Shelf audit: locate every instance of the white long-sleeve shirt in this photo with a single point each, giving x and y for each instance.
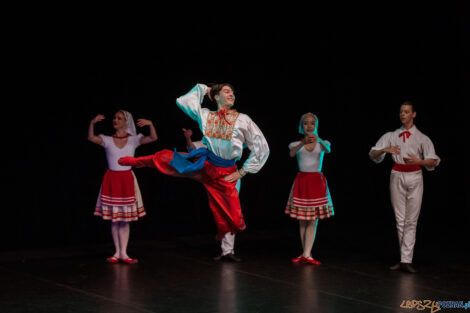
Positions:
(417, 144)
(223, 139)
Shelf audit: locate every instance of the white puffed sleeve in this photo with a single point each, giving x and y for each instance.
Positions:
(429, 153)
(190, 103)
(326, 146)
(383, 143)
(259, 149)
(294, 144)
(106, 140)
(134, 141)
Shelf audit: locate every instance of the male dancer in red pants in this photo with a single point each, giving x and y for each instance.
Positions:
(226, 132)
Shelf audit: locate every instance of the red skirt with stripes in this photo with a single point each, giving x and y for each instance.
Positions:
(309, 198)
(119, 199)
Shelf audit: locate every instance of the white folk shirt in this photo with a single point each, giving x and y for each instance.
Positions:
(113, 153)
(417, 144)
(226, 142)
(309, 161)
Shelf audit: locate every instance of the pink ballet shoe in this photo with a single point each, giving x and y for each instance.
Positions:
(112, 260)
(129, 261)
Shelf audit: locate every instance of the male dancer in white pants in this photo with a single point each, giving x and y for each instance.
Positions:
(410, 150)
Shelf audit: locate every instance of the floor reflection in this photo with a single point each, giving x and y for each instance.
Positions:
(228, 289)
(119, 285)
(307, 297)
(406, 297)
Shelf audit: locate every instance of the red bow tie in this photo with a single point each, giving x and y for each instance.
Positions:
(222, 114)
(406, 134)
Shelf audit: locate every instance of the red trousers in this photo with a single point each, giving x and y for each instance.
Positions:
(223, 196)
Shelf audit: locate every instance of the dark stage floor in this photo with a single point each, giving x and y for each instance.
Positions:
(178, 275)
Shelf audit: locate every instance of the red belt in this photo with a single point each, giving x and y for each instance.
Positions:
(406, 167)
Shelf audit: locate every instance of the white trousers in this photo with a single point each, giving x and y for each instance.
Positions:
(228, 243)
(406, 191)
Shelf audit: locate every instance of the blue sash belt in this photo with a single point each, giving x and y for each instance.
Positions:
(181, 163)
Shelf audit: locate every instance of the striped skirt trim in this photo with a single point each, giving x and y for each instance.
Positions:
(124, 211)
(309, 209)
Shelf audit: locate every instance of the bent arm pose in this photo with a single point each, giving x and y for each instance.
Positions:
(309, 199)
(119, 199)
(410, 150)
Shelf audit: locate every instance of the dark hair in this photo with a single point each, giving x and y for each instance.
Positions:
(410, 103)
(216, 88)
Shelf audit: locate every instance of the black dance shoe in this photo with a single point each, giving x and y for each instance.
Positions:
(228, 258)
(406, 267)
(395, 267)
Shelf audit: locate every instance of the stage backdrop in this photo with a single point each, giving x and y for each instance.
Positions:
(352, 70)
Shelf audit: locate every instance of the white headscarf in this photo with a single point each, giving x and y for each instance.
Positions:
(130, 126)
(304, 116)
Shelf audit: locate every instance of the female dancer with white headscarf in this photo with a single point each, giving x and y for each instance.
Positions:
(119, 199)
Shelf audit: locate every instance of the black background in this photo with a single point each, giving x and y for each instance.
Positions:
(351, 65)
